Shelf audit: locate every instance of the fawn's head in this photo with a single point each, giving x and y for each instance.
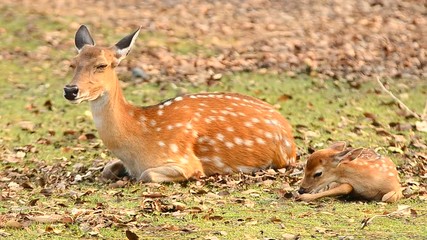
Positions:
(320, 170)
(94, 66)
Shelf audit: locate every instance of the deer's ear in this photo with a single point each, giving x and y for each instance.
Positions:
(347, 155)
(338, 146)
(82, 38)
(123, 46)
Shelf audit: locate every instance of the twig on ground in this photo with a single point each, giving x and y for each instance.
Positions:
(401, 103)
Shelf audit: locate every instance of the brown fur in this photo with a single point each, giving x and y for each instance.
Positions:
(191, 135)
(358, 172)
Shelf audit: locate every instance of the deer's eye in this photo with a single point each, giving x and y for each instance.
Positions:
(101, 66)
(318, 174)
(72, 66)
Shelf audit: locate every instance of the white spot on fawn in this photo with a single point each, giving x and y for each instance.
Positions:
(153, 122)
(230, 129)
(161, 144)
(268, 135)
(160, 112)
(169, 127)
(167, 103)
(178, 99)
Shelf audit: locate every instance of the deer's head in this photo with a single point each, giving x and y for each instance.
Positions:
(94, 66)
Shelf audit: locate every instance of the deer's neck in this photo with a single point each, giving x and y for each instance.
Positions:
(113, 116)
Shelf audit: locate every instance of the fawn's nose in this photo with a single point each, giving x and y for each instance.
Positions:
(302, 190)
(71, 91)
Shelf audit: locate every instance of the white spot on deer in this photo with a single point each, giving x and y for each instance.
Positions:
(268, 135)
(161, 143)
(178, 99)
(248, 124)
(238, 141)
(233, 114)
(214, 111)
(205, 159)
(207, 120)
(391, 174)
(218, 161)
(230, 129)
(287, 144)
(248, 143)
(202, 139)
(161, 106)
(179, 124)
(228, 97)
(131, 113)
(169, 127)
(184, 159)
(241, 114)
(197, 114)
(167, 103)
(259, 140)
(255, 120)
(246, 169)
(193, 96)
(235, 104)
(229, 144)
(158, 129)
(229, 108)
(194, 133)
(153, 122)
(221, 118)
(173, 147)
(211, 95)
(225, 112)
(202, 105)
(220, 137)
(160, 112)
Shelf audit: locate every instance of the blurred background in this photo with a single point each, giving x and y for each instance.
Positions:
(194, 40)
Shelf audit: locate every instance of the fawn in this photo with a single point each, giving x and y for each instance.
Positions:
(186, 136)
(360, 172)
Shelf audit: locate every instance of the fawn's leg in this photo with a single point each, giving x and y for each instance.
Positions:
(342, 189)
(114, 170)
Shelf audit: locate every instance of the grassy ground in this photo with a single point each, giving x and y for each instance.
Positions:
(51, 155)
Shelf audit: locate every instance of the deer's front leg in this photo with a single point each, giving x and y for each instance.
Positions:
(167, 173)
(114, 170)
(342, 189)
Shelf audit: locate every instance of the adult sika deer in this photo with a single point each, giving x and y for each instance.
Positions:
(187, 136)
(360, 172)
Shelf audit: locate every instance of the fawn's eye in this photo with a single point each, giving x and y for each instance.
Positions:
(318, 174)
(101, 66)
(72, 66)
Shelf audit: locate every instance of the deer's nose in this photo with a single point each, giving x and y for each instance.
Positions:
(302, 190)
(70, 92)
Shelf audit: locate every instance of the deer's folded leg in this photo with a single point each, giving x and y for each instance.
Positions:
(342, 189)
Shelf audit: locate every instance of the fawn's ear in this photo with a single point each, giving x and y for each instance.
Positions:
(82, 38)
(338, 146)
(348, 155)
(123, 47)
